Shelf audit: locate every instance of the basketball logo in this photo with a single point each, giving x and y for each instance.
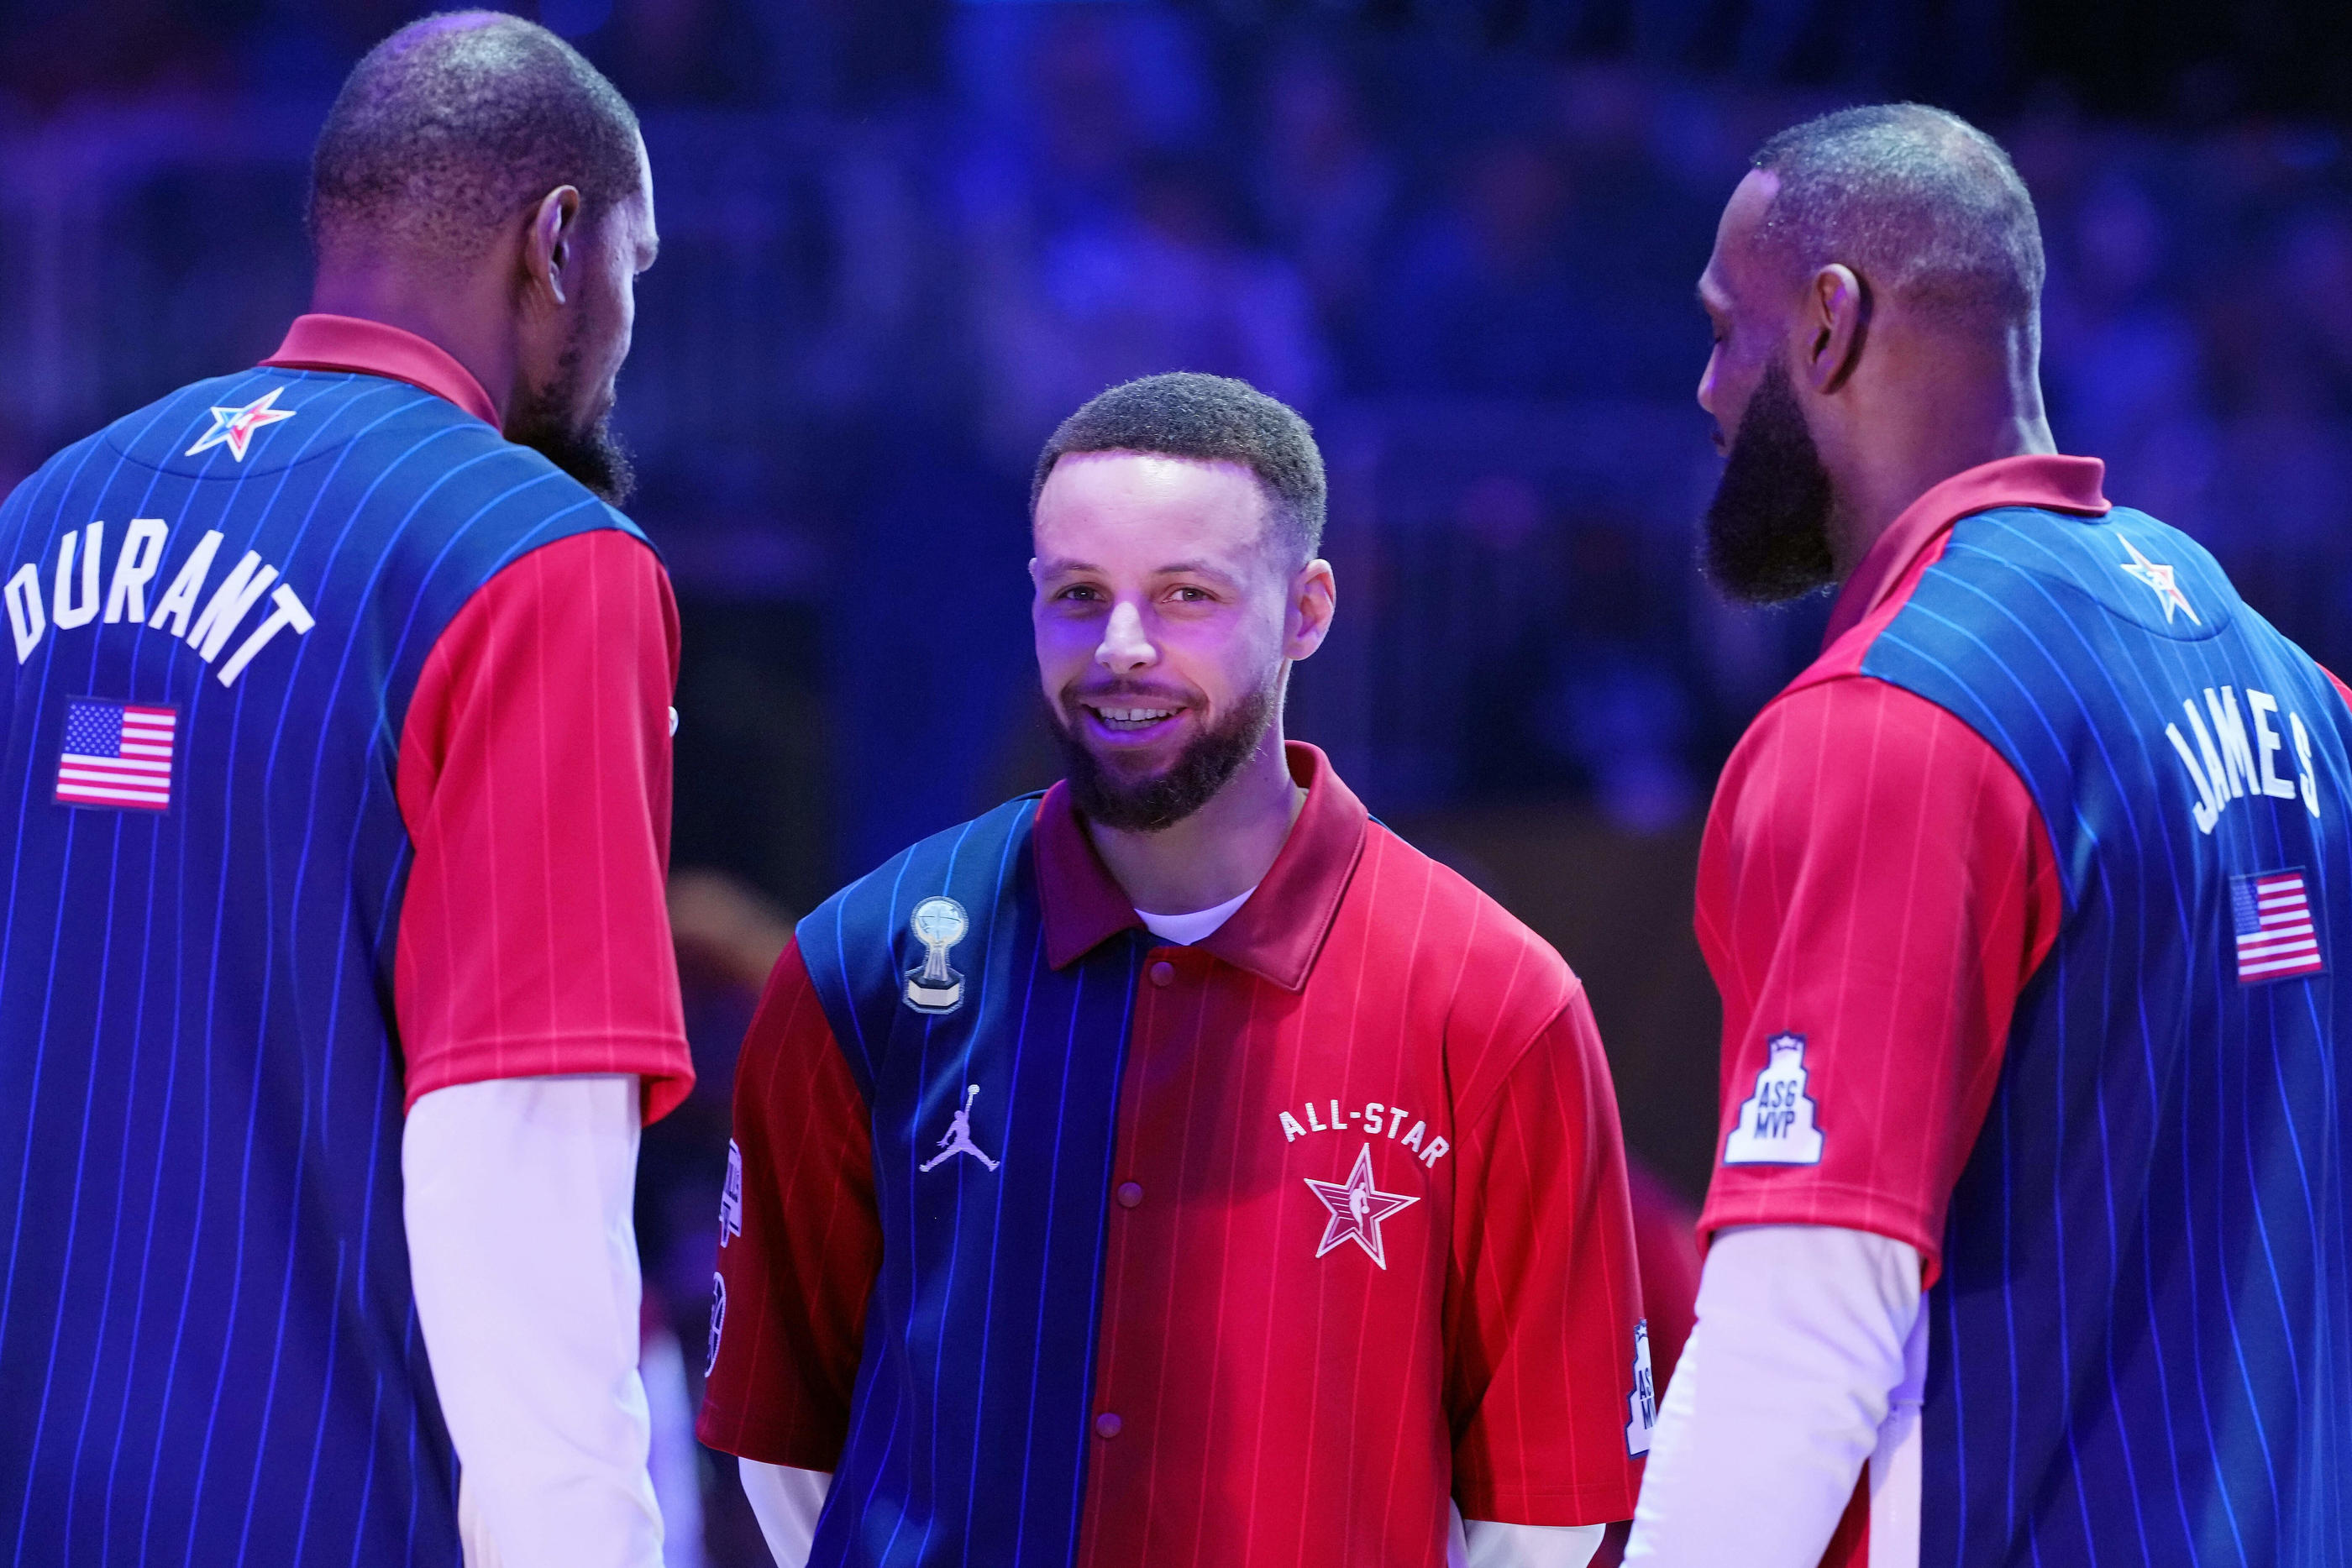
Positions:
(938, 923)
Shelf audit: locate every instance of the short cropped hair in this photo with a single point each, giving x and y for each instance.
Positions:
(1215, 419)
(1919, 202)
(455, 126)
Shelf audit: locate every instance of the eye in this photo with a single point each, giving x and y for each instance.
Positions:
(1189, 594)
(1080, 593)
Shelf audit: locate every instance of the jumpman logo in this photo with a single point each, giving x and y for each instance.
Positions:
(957, 1140)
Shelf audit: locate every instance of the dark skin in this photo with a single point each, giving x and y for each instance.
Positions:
(1897, 401)
(507, 313)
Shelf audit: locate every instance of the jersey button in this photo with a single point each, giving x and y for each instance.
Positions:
(1130, 1195)
(1162, 972)
(1105, 1425)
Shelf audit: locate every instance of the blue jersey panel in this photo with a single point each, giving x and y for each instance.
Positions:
(2141, 1347)
(993, 1081)
(218, 608)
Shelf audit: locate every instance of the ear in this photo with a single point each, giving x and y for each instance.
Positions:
(1835, 322)
(1307, 619)
(550, 243)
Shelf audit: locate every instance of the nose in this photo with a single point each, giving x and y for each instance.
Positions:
(1124, 647)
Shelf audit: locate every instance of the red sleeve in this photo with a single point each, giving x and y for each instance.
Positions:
(534, 781)
(1541, 1340)
(800, 1243)
(1875, 887)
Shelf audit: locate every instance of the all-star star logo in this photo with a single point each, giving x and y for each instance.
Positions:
(2159, 578)
(236, 425)
(1357, 1208)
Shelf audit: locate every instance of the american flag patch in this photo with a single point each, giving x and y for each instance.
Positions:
(2277, 939)
(117, 755)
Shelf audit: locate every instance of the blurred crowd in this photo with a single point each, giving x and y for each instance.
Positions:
(903, 238)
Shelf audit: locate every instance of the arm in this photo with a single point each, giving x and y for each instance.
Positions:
(786, 1502)
(1757, 1448)
(800, 1243)
(1875, 889)
(1542, 1312)
(533, 949)
(524, 1262)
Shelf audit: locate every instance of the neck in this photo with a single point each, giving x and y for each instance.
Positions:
(1933, 416)
(1220, 850)
(466, 314)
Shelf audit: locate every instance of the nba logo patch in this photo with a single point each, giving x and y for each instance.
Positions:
(117, 755)
(2278, 935)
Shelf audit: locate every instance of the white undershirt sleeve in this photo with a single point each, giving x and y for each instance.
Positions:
(1484, 1544)
(523, 1255)
(1808, 1360)
(786, 1501)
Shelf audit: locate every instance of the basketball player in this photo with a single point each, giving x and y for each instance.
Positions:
(1179, 1168)
(2030, 1230)
(337, 788)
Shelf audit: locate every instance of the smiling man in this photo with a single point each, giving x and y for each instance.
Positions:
(2029, 1229)
(1177, 1169)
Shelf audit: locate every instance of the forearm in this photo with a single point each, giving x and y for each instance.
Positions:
(523, 1258)
(786, 1501)
(1483, 1543)
(1782, 1393)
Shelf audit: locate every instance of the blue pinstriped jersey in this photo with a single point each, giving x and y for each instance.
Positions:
(2140, 1351)
(209, 1348)
(959, 1440)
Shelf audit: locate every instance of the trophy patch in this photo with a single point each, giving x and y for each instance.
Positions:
(938, 923)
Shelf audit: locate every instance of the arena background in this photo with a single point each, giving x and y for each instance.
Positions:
(902, 238)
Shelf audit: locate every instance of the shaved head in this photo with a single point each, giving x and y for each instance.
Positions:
(1922, 206)
(453, 126)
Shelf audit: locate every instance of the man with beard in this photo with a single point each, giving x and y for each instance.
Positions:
(2029, 1232)
(338, 743)
(1178, 1168)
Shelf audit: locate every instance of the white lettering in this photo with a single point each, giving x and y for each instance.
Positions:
(1429, 1155)
(2237, 761)
(1396, 1119)
(1412, 1139)
(69, 614)
(1314, 1121)
(2262, 704)
(180, 597)
(2307, 776)
(142, 552)
(1373, 1109)
(228, 604)
(26, 618)
(289, 613)
(1290, 1127)
(2207, 808)
(1338, 1123)
(2213, 768)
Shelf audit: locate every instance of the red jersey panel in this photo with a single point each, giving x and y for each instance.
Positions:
(1874, 888)
(1368, 1242)
(534, 781)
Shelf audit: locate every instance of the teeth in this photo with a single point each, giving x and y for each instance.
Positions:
(1135, 715)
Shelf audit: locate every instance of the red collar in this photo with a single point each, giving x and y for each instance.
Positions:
(372, 347)
(2061, 484)
(1275, 936)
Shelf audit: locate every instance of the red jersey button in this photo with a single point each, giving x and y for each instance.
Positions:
(1106, 1424)
(1162, 972)
(1130, 1195)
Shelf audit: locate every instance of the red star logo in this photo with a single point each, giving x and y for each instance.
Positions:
(1357, 1208)
(236, 425)
(2159, 577)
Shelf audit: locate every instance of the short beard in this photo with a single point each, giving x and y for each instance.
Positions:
(1167, 797)
(541, 420)
(1768, 529)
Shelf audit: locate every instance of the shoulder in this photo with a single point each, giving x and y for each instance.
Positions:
(973, 863)
(1422, 916)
